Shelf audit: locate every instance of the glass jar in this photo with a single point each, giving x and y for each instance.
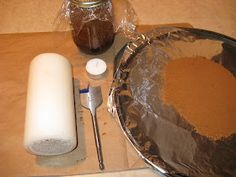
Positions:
(93, 31)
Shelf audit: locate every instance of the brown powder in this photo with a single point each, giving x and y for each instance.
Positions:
(204, 93)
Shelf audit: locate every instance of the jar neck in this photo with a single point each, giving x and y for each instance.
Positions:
(87, 3)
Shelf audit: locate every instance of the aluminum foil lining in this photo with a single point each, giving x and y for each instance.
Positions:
(160, 135)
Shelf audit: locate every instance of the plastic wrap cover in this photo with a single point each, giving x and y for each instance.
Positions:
(157, 131)
(121, 14)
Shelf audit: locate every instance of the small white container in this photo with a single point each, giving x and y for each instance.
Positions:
(96, 68)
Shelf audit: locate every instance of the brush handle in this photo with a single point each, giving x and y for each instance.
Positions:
(97, 138)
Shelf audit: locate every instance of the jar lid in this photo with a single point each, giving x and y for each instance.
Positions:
(88, 3)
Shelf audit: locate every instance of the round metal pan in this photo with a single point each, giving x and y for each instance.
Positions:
(159, 135)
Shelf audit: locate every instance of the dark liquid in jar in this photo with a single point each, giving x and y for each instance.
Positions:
(95, 36)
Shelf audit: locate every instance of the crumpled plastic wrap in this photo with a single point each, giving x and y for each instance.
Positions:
(124, 18)
(157, 131)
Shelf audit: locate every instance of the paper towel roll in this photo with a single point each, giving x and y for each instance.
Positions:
(50, 127)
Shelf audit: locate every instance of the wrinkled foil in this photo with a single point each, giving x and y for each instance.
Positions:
(157, 131)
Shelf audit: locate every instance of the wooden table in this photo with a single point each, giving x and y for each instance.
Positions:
(37, 16)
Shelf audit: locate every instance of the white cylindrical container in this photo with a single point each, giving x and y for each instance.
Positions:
(50, 127)
(96, 68)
